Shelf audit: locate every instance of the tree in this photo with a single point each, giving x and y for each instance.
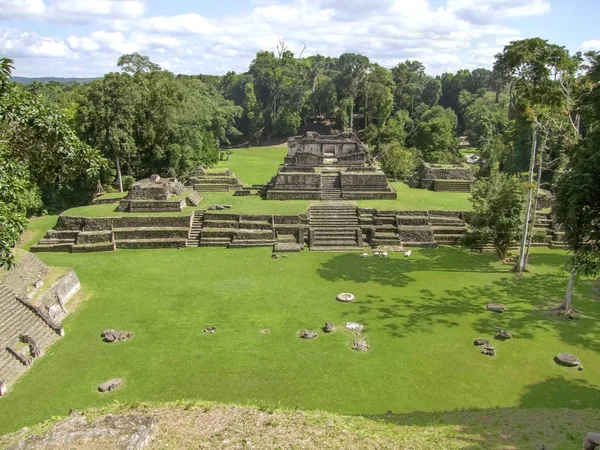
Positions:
(352, 69)
(497, 211)
(398, 161)
(578, 192)
(37, 147)
(378, 98)
(106, 118)
(534, 65)
(435, 135)
(253, 112)
(134, 63)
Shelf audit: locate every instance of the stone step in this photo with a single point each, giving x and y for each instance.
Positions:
(211, 187)
(253, 243)
(150, 243)
(94, 247)
(51, 248)
(150, 233)
(445, 238)
(448, 230)
(446, 221)
(316, 248)
(384, 241)
(52, 241)
(58, 234)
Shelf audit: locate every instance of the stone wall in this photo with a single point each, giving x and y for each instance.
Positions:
(298, 181)
(66, 223)
(25, 275)
(358, 181)
(148, 189)
(53, 300)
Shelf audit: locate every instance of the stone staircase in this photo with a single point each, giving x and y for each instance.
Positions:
(235, 231)
(151, 237)
(335, 227)
(196, 224)
(17, 320)
(56, 241)
(451, 186)
(331, 187)
(447, 230)
(385, 231)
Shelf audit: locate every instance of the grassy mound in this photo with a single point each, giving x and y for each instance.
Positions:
(206, 425)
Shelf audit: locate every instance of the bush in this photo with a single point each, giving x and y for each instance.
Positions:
(539, 237)
(128, 181)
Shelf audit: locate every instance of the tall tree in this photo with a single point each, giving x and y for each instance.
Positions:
(37, 147)
(352, 70)
(578, 190)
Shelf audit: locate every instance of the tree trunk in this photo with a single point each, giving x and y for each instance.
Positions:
(535, 196)
(119, 179)
(352, 115)
(521, 261)
(566, 304)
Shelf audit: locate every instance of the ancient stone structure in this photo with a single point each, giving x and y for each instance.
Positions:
(488, 349)
(110, 385)
(360, 345)
(495, 307)
(156, 194)
(119, 432)
(591, 441)
(30, 313)
(329, 327)
(203, 180)
(567, 359)
(308, 334)
(354, 326)
(444, 177)
(116, 336)
(481, 341)
(328, 168)
(345, 297)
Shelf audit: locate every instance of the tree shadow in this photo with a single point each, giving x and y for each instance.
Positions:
(528, 300)
(555, 414)
(393, 271)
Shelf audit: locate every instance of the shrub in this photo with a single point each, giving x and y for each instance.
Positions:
(128, 181)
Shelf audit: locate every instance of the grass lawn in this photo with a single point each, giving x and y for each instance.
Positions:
(421, 315)
(36, 229)
(257, 165)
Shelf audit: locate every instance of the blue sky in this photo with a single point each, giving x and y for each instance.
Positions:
(86, 37)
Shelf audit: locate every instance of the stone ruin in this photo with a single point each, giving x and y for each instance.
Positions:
(203, 180)
(329, 167)
(156, 194)
(444, 177)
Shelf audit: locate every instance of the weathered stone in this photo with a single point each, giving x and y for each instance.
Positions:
(329, 327)
(503, 335)
(110, 385)
(115, 336)
(278, 256)
(481, 341)
(345, 297)
(2, 388)
(38, 284)
(308, 334)
(210, 329)
(591, 441)
(488, 350)
(119, 432)
(219, 207)
(495, 307)
(360, 345)
(353, 326)
(567, 359)
(155, 178)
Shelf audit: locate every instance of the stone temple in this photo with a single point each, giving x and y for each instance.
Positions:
(332, 167)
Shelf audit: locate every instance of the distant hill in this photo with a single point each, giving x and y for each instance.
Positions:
(25, 80)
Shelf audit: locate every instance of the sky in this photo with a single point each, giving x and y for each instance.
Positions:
(84, 38)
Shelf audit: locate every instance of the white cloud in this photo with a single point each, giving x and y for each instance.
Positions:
(17, 44)
(593, 45)
(70, 11)
(20, 9)
(387, 31)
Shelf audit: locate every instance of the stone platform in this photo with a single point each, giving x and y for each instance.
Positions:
(332, 167)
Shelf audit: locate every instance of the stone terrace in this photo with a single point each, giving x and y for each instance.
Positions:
(31, 315)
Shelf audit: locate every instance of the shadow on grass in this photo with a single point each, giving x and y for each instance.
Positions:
(528, 300)
(555, 414)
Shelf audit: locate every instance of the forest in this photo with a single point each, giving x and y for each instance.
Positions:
(524, 119)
